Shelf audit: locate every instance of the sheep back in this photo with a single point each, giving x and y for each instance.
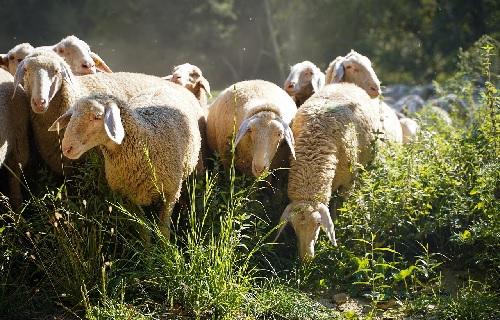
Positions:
(334, 131)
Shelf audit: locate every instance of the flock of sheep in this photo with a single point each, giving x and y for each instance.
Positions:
(153, 132)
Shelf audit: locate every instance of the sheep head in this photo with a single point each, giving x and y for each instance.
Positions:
(42, 74)
(264, 131)
(78, 55)
(11, 59)
(90, 122)
(303, 75)
(354, 68)
(190, 77)
(307, 218)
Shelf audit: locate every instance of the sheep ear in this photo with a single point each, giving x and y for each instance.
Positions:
(244, 126)
(318, 80)
(54, 88)
(289, 137)
(113, 123)
(66, 73)
(285, 218)
(99, 63)
(335, 71)
(61, 122)
(327, 223)
(169, 77)
(19, 76)
(4, 61)
(204, 83)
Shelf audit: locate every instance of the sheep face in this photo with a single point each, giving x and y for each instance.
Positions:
(307, 218)
(302, 75)
(89, 123)
(264, 131)
(11, 60)
(78, 55)
(354, 68)
(42, 74)
(190, 77)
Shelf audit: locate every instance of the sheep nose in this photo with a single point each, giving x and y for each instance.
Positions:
(87, 65)
(67, 150)
(257, 170)
(39, 104)
(291, 85)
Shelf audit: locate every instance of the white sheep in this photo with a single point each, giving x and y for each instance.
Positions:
(14, 56)
(410, 129)
(334, 132)
(191, 77)
(74, 51)
(14, 146)
(304, 80)
(52, 89)
(150, 144)
(357, 68)
(261, 113)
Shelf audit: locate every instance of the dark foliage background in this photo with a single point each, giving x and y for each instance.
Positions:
(410, 41)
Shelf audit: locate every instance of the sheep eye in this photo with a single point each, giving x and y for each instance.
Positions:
(19, 60)
(61, 50)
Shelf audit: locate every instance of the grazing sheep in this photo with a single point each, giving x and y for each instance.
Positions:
(334, 131)
(150, 144)
(261, 113)
(74, 51)
(14, 147)
(304, 80)
(52, 89)
(14, 56)
(191, 77)
(356, 68)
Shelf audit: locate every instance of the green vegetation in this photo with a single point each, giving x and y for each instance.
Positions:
(419, 234)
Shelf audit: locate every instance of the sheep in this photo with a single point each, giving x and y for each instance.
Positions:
(334, 131)
(14, 146)
(261, 112)
(357, 68)
(304, 80)
(410, 129)
(150, 143)
(191, 77)
(74, 51)
(14, 56)
(52, 88)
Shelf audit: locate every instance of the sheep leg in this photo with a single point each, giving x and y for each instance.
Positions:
(164, 223)
(16, 197)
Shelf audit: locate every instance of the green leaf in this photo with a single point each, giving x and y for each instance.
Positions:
(386, 249)
(401, 275)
